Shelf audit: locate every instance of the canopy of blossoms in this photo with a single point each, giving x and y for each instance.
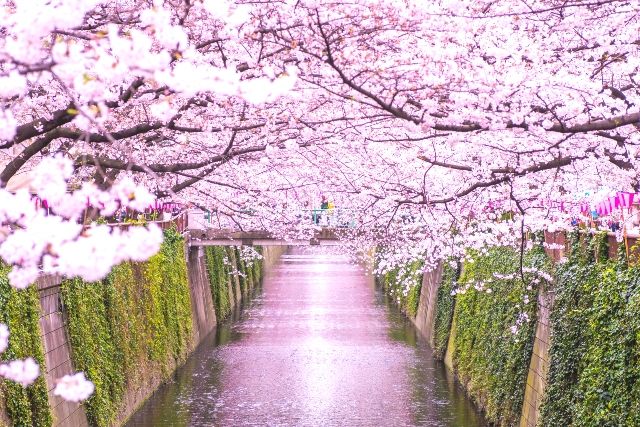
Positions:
(441, 124)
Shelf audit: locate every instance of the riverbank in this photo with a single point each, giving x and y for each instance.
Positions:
(555, 344)
(128, 333)
(317, 346)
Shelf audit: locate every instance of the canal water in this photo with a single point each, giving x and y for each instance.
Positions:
(317, 346)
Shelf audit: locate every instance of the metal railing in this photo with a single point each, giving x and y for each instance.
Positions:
(331, 218)
(180, 221)
(326, 218)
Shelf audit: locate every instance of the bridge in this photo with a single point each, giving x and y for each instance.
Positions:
(324, 236)
(326, 223)
(337, 217)
(326, 228)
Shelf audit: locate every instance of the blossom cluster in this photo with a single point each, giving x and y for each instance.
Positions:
(35, 241)
(74, 388)
(56, 241)
(520, 320)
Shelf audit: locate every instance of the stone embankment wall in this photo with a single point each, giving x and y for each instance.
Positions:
(427, 306)
(557, 348)
(58, 363)
(128, 333)
(539, 366)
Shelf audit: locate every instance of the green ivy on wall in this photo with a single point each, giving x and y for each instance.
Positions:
(258, 265)
(222, 280)
(594, 375)
(218, 280)
(166, 277)
(240, 268)
(403, 284)
(248, 271)
(231, 268)
(20, 311)
(489, 357)
(134, 323)
(445, 304)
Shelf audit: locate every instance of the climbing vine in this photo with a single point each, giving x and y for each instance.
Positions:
(594, 375)
(232, 272)
(495, 312)
(258, 265)
(135, 323)
(218, 280)
(240, 268)
(403, 284)
(445, 304)
(225, 265)
(20, 311)
(165, 274)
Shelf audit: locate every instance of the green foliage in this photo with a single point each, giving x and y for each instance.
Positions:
(248, 271)
(166, 277)
(594, 376)
(231, 270)
(135, 322)
(413, 298)
(20, 311)
(221, 277)
(258, 266)
(94, 351)
(489, 357)
(218, 280)
(241, 269)
(445, 304)
(257, 271)
(403, 284)
(599, 245)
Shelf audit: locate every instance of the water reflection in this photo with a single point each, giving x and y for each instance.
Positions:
(317, 347)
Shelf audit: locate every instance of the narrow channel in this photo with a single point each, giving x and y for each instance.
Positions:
(317, 346)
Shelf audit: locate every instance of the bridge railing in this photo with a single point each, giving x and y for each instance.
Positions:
(326, 218)
(180, 221)
(332, 218)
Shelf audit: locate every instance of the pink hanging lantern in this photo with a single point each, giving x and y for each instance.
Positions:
(584, 208)
(626, 199)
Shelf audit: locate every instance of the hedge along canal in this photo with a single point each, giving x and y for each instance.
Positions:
(128, 332)
(559, 348)
(319, 345)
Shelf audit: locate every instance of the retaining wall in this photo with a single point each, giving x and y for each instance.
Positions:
(540, 360)
(58, 357)
(539, 365)
(203, 321)
(425, 316)
(57, 350)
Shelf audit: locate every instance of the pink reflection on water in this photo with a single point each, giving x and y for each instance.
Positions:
(318, 347)
(315, 352)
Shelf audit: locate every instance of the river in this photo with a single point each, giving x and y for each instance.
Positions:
(318, 345)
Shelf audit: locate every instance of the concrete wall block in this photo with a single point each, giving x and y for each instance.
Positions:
(203, 312)
(539, 365)
(57, 352)
(425, 316)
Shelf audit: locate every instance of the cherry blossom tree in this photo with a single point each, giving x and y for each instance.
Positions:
(441, 125)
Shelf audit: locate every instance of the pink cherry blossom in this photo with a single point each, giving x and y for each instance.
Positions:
(24, 372)
(74, 388)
